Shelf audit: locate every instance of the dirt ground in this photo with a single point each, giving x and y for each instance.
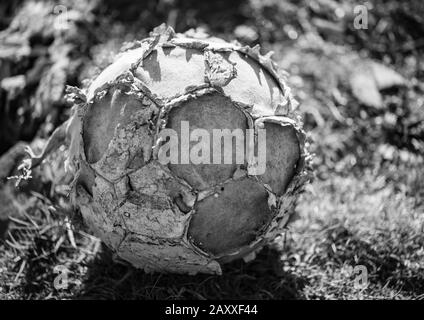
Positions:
(357, 70)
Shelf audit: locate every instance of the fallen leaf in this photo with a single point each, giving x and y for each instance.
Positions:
(386, 77)
(364, 88)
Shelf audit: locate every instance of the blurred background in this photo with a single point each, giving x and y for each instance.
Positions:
(357, 69)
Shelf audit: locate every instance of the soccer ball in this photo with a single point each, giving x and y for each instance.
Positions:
(208, 204)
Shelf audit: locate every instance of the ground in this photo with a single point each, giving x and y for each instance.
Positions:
(359, 232)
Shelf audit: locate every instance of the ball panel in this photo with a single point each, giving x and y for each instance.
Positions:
(121, 65)
(165, 257)
(231, 218)
(162, 70)
(129, 150)
(149, 207)
(112, 238)
(282, 155)
(208, 112)
(105, 197)
(95, 218)
(117, 134)
(97, 131)
(253, 85)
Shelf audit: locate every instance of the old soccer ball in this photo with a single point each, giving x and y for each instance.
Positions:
(205, 206)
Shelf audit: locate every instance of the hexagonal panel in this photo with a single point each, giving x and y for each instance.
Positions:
(117, 134)
(282, 155)
(209, 112)
(169, 71)
(231, 218)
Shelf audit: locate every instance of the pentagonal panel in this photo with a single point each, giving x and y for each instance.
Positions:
(150, 208)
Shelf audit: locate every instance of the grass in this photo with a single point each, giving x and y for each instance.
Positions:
(363, 215)
(344, 222)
